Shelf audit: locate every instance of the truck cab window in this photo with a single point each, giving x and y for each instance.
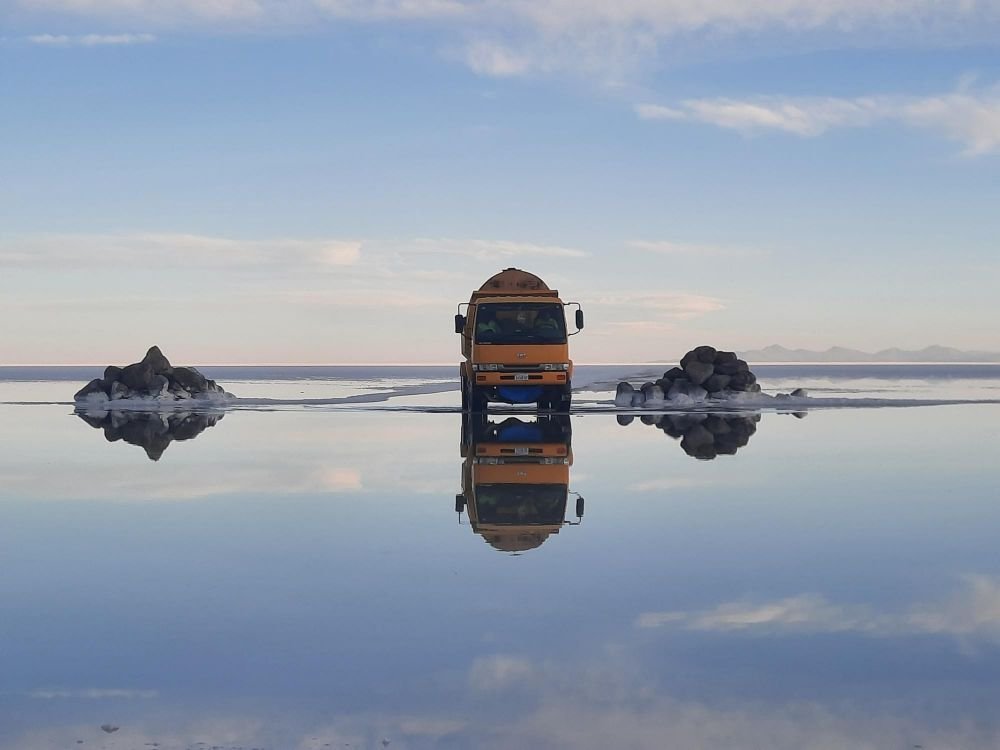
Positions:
(520, 323)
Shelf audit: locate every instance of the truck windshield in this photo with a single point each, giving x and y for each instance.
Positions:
(521, 504)
(520, 323)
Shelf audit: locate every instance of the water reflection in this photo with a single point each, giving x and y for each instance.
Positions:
(703, 436)
(515, 479)
(151, 431)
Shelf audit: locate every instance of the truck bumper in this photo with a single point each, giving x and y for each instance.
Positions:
(521, 378)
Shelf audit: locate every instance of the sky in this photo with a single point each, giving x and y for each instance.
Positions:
(323, 181)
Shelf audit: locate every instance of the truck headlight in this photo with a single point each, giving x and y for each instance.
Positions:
(553, 367)
(486, 368)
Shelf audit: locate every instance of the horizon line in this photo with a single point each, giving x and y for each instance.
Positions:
(452, 364)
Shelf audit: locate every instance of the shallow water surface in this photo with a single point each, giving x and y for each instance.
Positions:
(310, 579)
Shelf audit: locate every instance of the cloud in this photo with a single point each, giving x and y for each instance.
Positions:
(92, 694)
(973, 611)
(500, 672)
(673, 305)
(90, 40)
(517, 37)
(158, 12)
(490, 249)
(967, 116)
(667, 247)
(383, 10)
(666, 484)
(495, 59)
(173, 249)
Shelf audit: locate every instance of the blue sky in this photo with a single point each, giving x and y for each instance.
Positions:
(323, 180)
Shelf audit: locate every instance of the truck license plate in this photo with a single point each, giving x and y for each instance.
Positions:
(521, 376)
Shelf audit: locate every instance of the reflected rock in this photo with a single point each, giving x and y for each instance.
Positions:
(151, 431)
(706, 436)
(109, 728)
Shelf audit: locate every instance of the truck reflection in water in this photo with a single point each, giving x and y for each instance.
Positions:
(515, 479)
(151, 431)
(704, 436)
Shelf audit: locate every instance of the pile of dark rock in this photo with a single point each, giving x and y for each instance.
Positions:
(153, 432)
(704, 373)
(703, 436)
(154, 378)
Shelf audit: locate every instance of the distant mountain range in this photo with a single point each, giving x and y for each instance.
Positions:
(840, 354)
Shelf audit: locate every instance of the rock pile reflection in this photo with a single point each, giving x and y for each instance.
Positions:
(151, 431)
(515, 479)
(703, 436)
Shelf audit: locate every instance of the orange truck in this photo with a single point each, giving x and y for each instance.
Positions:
(515, 479)
(515, 344)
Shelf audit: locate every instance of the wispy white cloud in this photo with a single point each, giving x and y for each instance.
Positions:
(968, 116)
(173, 249)
(90, 40)
(92, 693)
(668, 247)
(156, 11)
(489, 249)
(516, 37)
(500, 672)
(973, 611)
(673, 305)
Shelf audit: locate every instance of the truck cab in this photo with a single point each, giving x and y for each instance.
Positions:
(515, 344)
(515, 479)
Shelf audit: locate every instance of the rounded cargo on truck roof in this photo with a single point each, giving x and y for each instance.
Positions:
(516, 541)
(514, 280)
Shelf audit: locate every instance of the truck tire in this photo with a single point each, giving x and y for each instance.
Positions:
(565, 399)
(473, 397)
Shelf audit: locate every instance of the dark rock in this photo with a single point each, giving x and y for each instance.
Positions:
(139, 377)
(93, 387)
(725, 357)
(687, 388)
(732, 367)
(741, 381)
(161, 385)
(698, 372)
(674, 373)
(652, 392)
(625, 419)
(650, 419)
(119, 391)
(716, 383)
(688, 358)
(111, 374)
(154, 358)
(705, 354)
(193, 381)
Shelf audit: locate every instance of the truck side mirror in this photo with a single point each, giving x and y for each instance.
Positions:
(459, 503)
(459, 323)
(579, 507)
(579, 320)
